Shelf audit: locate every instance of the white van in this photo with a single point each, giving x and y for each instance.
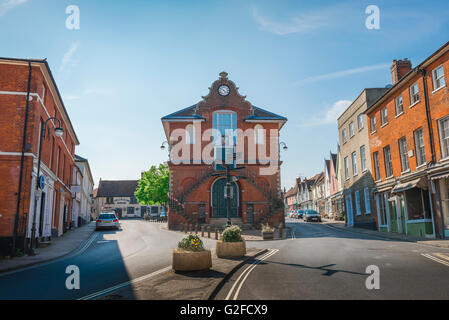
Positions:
(154, 212)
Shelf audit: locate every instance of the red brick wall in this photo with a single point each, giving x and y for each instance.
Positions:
(14, 78)
(412, 119)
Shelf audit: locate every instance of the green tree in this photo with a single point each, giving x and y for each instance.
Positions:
(153, 187)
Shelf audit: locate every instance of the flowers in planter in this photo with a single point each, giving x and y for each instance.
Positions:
(267, 229)
(191, 243)
(232, 234)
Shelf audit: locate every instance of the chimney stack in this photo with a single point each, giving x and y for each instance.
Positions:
(399, 69)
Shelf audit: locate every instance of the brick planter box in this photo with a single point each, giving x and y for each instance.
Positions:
(191, 261)
(230, 249)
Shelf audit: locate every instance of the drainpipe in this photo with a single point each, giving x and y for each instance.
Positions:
(22, 160)
(429, 122)
(432, 149)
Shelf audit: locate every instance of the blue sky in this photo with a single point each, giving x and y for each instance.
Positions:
(133, 62)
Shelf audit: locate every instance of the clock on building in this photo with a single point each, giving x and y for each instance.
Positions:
(224, 90)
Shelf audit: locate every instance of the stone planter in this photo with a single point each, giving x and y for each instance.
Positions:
(230, 249)
(191, 261)
(268, 235)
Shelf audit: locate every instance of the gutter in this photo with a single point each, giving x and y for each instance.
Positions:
(22, 160)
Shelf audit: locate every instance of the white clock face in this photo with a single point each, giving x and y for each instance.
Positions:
(223, 90)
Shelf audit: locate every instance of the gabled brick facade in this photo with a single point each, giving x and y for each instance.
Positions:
(191, 182)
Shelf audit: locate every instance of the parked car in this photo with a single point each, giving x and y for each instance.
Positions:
(300, 214)
(107, 220)
(311, 215)
(154, 212)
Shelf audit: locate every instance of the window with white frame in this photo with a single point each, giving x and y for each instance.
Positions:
(376, 165)
(438, 78)
(351, 129)
(373, 124)
(360, 122)
(259, 134)
(346, 168)
(387, 160)
(357, 203)
(384, 116)
(399, 105)
(225, 125)
(190, 134)
(344, 136)
(444, 136)
(367, 200)
(403, 153)
(420, 148)
(354, 163)
(363, 158)
(414, 94)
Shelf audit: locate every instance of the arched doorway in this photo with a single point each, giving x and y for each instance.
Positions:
(219, 203)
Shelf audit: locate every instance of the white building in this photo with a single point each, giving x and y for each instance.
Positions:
(82, 191)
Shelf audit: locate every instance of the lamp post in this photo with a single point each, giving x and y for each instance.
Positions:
(59, 131)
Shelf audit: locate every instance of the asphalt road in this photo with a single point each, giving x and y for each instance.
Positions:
(108, 259)
(322, 262)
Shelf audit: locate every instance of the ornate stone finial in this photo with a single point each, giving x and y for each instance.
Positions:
(223, 75)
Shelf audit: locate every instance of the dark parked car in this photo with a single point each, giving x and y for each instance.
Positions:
(311, 215)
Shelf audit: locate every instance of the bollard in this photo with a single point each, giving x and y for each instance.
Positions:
(208, 232)
(281, 232)
(202, 231)
(184, 228)
(216, 234)
(196, 229)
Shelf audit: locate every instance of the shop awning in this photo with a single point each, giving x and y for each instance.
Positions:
(441, 176)
(417, 183)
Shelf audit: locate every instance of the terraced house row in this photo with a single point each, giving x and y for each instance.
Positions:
(392, 165)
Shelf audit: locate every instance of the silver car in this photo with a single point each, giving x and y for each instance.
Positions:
(107, 220)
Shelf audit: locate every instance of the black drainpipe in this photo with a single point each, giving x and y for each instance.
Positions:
(429, 122)
(22, 160)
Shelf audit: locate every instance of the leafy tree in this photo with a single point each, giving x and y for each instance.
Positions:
(153, 187)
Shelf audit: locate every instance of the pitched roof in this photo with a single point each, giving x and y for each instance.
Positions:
(122, 188)
(261, 114)
(186, 113)
(291, 192)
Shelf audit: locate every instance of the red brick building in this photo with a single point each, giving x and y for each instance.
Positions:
(409, 144)
(28, 98)
(224, 122)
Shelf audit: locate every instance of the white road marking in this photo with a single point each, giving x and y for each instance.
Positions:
(124, 284)
(428, 256)
(246, 273)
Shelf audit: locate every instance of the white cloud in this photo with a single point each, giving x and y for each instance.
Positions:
(343, 73)
(7, 5)
(330, 116)
(298, 24)
(67, 58)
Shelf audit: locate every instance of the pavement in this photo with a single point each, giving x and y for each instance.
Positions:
(185, 286)
(389, 235)
(59, 247)
(320, 261)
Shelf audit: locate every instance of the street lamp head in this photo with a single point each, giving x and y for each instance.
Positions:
(285, 148)
(162, 147)
(59, 131)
